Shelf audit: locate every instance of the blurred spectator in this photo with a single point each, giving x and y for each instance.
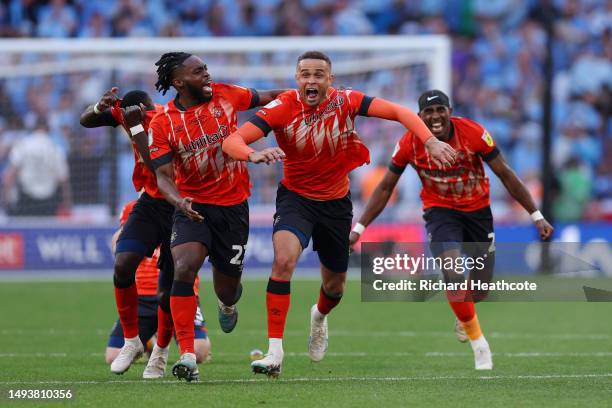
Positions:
(497, 65)
(36, 180)
(575, 190)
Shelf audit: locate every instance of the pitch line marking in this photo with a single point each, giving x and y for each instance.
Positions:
(322, 379)
(432, 354)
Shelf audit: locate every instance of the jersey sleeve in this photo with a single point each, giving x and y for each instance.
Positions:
(486, 147)
(359, 102)
(401, 155)
(272, 116)
(242, 98)
(125, 212)
(159, 143)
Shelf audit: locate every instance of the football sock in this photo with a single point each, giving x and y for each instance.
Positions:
(183, 305)
(278, 298)
(472, 328)
(480, 342)
(463, 310)
(275, 346)
(326, 303)
(127, 307)
(165, 327)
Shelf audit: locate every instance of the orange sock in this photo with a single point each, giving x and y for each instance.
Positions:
(183, 305)
(472, 328)
(127, 307)
(165, 327)
(278, 298)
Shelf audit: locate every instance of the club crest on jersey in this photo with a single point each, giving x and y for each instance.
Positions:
(487, 138)
(216, 111)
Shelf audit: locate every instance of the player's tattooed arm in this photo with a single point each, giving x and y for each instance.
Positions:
(97, 115)
(377, 202)
(265, 97)
(519, 192)
(165, 182)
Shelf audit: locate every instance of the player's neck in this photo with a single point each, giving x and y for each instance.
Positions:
(184, 102)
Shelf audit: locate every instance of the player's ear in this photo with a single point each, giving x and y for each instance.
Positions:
(177, 83)
(450, 111)
(332, 78)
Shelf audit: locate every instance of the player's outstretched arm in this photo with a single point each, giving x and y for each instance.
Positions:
(265, 97)
(375, 204)
(519, 192)
(94, 116)
(441, 153)
(165, 182)
(236, 146)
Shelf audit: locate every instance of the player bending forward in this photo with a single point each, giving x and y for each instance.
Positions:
(456, 203)
(314, 127)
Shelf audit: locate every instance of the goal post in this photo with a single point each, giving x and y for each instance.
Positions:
(397, 68)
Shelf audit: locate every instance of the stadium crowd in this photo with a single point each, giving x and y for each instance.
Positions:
(497, 65)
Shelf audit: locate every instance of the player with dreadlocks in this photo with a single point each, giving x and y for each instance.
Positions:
(208, 189)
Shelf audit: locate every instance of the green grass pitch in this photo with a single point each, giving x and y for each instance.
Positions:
(53, 334)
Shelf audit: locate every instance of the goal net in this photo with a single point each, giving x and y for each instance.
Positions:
(49, 82)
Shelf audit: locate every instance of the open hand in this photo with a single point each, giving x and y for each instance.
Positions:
(185, 206)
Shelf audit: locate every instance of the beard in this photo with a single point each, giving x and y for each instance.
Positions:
(198, 94)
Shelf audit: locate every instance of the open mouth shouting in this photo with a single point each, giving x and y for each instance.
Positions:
(312, 95)
(207, 88)
(436, 126)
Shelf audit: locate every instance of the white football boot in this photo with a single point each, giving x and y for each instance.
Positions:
(318, 340)
(156, 367)
(131, 351)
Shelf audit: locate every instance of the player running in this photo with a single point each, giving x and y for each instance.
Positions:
(147, 227)
(455, 203)
(210, 192)
(314, 127)
(146, 283)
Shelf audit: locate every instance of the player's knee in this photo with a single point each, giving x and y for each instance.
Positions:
(126, 264)
(283, 265)
(479, 295)
(185, 269)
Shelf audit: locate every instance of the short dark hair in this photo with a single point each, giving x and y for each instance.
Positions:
(136, 97)
(166, 66)
(315, 55)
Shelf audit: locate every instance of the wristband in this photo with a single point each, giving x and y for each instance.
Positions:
(96, 110)
(358, 228)
(536, 216)
(134, 130)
